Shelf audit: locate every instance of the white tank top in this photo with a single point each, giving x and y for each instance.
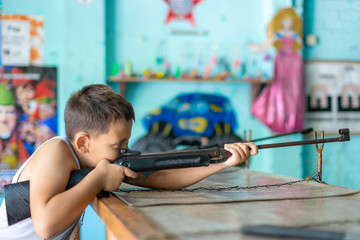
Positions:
(24, 230)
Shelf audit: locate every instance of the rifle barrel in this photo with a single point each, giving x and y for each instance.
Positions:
(344, 136)
(296, 143)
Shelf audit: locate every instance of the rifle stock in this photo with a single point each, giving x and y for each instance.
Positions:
(17, 196)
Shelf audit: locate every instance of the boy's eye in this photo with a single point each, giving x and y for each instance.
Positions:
(120, 145)
(116, 146)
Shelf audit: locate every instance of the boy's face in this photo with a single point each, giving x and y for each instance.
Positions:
(108, 145)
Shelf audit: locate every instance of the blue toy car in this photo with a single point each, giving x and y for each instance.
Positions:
(185, 120)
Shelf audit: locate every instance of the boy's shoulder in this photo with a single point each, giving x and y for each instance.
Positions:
(56, 144)
(55, 150)
(51, 157)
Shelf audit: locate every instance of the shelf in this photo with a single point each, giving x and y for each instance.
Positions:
(255, 82)
(142, 80)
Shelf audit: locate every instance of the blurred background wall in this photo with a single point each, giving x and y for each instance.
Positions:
(84, 39)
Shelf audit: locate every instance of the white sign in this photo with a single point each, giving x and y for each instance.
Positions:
(333, 95)
(15, 42)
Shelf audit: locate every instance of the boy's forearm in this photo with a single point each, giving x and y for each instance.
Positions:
(66, 206)
(180, 178)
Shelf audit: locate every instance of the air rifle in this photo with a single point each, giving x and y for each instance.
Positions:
(17, 198)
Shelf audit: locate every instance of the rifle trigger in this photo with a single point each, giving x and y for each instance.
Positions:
(145, 174)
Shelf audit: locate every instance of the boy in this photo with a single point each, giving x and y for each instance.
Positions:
(98, 124)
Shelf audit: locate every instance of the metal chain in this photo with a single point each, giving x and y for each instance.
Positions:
(237, 187)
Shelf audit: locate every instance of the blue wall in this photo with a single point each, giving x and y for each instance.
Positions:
(336, 26)
(335, 23)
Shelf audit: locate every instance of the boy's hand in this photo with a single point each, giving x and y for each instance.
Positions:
(240, 152)
(112, 175)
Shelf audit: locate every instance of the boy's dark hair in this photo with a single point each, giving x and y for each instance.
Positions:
(94, 108)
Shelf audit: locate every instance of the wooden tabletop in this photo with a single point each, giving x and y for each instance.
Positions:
(219, 206)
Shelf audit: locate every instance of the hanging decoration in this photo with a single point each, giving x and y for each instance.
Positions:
(181, 9)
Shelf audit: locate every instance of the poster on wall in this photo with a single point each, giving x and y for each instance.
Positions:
(333, 95)
(28, 112)
(22, 40)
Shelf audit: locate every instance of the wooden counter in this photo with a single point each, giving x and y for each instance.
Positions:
(217, 208)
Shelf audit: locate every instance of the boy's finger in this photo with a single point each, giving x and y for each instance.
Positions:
(239, 150)
(130, 173)
(140, 177)
(235, 152)
(253, 148)
(245, 148)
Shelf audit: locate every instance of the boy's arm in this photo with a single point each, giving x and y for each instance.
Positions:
(179, 178)
(52, 208)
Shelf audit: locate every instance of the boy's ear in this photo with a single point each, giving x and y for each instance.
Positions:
(82, 142)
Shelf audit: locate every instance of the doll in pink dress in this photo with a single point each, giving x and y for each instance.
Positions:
(280, 105)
